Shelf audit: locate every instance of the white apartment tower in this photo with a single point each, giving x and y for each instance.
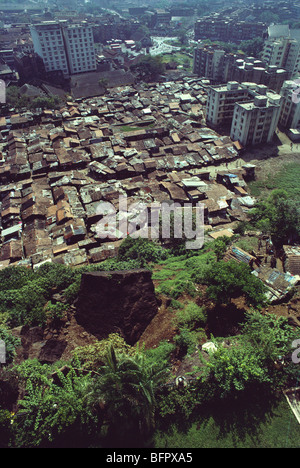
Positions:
(250, 109)
(66, 47)
(290, 109)
(281, 49)
(255, 122)
(221, 100)
(284, 53)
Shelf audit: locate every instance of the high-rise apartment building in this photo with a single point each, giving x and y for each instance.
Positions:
(284, 53)
(65, 47)
(290, 109)
(219, 67)
(225, 29)
(221, 101)
(252, 111)
(282, 49)
(255, 122)
(209, 63)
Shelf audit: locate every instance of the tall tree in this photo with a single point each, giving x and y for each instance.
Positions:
(279, 216)
(128, 385)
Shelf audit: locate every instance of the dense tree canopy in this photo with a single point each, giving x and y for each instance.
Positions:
(227, 280)
(18, 100)
(148, 68)
(279, 216)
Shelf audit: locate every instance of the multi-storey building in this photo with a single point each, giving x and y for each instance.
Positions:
(255, 122)
(290, 109)
(80, 49)
(284, 53)
(7, 55)
(252, 111)
(209, 63)
(255, 71)
(220, 67)
(282, 49)
(65, 47)
(227, 29)
(221, 101)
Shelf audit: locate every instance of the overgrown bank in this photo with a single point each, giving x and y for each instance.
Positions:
(110, 394)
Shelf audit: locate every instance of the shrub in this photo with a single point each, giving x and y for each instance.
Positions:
(186, 341)
(234, 369)
(142, 249)
(176, 288)
(191, 316)
(159, 355)
(11, 343)
(94, 355)
(24, 292)
(55, 311)
(227, 280)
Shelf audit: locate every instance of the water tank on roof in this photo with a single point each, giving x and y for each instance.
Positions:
(261, 89)
(260, 101)
(232, 85)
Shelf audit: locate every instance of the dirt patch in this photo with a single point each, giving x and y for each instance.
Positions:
(65, 335)
(161, 327)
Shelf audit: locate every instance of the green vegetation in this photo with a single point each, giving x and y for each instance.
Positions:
(252, 425)
(279, 216)
(93, 356)
(11, 343)
(180, 58)
(142, 249)
(18, 100)
(179, 275)
(228, 280)
(112, 394)
(25, 295)
(286, 179)
(277, 211)
(252, 47)
(148, 68)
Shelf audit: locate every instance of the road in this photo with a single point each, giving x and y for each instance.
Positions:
(160, 46)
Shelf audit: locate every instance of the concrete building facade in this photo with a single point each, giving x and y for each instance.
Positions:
(227, 29)
(221, 101)
(255, 122)
(252, 111)
(284, 53)
(220, 67)
(290, 109)
(65, 47)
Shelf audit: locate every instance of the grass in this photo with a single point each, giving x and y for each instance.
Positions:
(180, 58)
(287, 179)
(176, 275)
(247, 243)
(246, 427)
(130, 128)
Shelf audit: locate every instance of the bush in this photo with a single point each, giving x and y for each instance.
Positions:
(227, 280)
(24, 292)
(186, 341)
(50, 412)
(177, 288)
(94, 355)
(142, 249)
(160, 355)
(11, 343)
(55, 311)
(191, 316)
(236, 368)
